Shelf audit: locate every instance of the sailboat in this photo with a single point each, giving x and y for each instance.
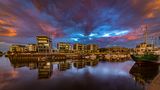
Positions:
(144, 52)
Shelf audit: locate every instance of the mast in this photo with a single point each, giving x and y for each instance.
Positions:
(50, 47)
(145, 34)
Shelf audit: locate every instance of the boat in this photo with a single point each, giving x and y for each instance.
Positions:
(145, 58)
(144, 52)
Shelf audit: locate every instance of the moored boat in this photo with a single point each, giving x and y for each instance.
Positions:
(145, 52)
(145, 58)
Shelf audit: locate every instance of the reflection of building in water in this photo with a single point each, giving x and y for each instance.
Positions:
(91, 62)
(79, 64)
(44, 70)
(33, 65)
(62, 66)
(20, 63)
(144, 73)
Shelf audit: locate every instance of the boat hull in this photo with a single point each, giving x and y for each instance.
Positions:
(145, 58)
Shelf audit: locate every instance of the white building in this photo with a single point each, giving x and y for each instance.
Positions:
(31, 47)
(64, 47)
(17, 48)
(78, 47)
(91, 48)
(44, 44)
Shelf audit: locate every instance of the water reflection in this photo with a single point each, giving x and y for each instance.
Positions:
(75, 75)
(144, 73)
(62, 66)
(44, 70)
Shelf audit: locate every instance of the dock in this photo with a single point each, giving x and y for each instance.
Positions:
(155, 84)
(65, 56)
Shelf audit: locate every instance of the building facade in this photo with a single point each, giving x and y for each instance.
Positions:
(115, 50)
(44, 44)
(91, 48)
(64, 47)
(17, 48)
(118, 50)
(78, 47)
(31, 47)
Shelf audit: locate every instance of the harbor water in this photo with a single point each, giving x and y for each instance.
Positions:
(75, 75)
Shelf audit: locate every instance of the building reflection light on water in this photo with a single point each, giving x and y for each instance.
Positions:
(74, 75)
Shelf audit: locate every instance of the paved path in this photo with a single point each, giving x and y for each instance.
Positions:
(155, 84)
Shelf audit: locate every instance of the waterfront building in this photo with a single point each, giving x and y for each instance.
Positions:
(118, 50)
(115, 50)
(44, 44)
(78, 47)
(91, 48)
(102, 50)
(31, 47)
(17, 48)
(64, 47)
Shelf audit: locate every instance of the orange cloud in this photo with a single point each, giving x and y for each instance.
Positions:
(154, 5)
(10, 32)
(153, 8)
(7, 27)
(150, 15)
(2, 22)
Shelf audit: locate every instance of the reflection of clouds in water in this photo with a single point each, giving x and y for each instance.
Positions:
(7, 77)
(5, 65)
(85, 81)
(3, 84)
(104, 76)
(7, 74)
(104, 69)
(14, 74)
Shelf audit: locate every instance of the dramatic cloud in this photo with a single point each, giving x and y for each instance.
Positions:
(84, 21)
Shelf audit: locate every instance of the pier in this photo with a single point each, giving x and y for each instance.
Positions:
(155, 84)
(65, 56)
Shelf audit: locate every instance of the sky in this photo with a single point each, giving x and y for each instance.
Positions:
(102, 22)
